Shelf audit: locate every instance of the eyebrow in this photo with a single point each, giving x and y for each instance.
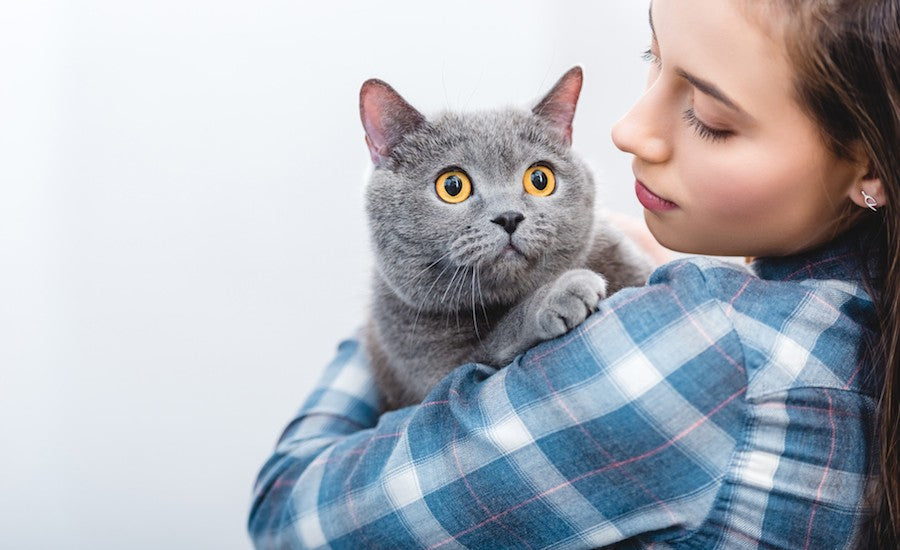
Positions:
(704, 86)
(709, 89)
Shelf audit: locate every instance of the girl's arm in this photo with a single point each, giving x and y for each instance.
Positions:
(621, 428)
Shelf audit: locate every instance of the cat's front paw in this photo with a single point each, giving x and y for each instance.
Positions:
(568, 301)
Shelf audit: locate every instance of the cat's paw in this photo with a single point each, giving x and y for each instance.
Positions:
(568, 301)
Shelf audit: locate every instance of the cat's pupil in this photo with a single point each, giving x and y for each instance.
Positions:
(539, 180)
(453, 185)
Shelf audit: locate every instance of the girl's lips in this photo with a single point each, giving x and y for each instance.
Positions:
(651, 201)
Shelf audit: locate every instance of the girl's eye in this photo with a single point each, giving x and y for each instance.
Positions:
(453, 186)
(704, 131)
(539, 180)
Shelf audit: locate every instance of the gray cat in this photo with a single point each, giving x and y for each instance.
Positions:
(484, 233)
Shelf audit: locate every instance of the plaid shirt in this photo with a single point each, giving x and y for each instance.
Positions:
(713, 408)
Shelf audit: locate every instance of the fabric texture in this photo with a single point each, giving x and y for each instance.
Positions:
(716, 407)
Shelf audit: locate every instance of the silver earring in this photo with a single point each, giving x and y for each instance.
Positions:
(870, 200)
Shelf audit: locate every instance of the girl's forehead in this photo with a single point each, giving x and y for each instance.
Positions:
(723, 43)
(769, 16)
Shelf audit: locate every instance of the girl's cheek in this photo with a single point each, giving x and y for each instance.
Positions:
(715, 194)
(733, 190)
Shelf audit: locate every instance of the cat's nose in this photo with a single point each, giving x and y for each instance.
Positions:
(509, 221)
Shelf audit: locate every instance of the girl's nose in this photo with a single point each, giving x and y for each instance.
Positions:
(643, 131)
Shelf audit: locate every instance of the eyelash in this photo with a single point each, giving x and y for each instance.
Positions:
(649, 56)
(702, 130)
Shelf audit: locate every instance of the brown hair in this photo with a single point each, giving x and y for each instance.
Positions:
(846, 57)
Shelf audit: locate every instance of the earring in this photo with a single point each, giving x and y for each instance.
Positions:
(870, 200)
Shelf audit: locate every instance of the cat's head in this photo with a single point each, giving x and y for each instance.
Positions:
(475, 209)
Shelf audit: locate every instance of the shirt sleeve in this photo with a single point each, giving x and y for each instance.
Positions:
(620, 430)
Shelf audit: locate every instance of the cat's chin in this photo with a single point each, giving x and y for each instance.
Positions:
(511, 258)
(509, 264)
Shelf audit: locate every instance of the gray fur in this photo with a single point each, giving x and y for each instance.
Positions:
(444, 291)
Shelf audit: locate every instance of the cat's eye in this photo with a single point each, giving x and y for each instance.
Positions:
(539, 180)
(453, 186)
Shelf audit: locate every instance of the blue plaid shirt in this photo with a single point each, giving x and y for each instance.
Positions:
(716, 407)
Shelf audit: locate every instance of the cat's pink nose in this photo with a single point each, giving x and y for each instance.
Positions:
(509, 221)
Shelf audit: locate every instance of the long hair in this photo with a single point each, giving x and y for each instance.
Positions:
(846, 60)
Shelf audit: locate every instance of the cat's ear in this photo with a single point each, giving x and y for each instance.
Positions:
(558, 106)
(386, 118)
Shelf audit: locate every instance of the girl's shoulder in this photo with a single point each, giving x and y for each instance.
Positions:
(800, 323)
(808, 409)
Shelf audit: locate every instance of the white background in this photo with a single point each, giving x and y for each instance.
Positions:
(182, 240)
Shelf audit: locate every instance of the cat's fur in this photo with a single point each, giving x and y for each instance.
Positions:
(448, 288)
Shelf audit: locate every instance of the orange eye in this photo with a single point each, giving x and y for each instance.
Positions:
(453, 186)
(539, 181)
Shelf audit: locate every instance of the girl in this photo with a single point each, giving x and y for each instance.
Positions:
(714, 407)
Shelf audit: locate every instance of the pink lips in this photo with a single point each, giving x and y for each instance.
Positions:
(651, 201)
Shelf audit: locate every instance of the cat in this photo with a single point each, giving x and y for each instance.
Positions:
(484, 235)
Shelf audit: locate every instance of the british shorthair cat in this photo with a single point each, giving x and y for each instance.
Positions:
(485, 236)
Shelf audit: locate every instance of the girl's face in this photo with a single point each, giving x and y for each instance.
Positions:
(726, 161)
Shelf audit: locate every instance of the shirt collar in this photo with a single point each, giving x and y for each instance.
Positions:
(840, 259)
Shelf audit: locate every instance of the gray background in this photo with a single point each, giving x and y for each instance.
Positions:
(182, 242)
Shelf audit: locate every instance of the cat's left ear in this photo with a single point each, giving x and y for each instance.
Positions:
(558, 106)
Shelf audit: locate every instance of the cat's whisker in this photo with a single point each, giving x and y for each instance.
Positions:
(444, 84)
(472, 94)
(450, 284)
(474, 317)
(487, 321)
(456, 300)
(447, 311)
(413, 279)
(426, 297)
(462, 285)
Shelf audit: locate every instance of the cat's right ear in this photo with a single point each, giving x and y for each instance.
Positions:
(386, 118)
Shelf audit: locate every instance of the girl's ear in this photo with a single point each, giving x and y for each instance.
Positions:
(558, 106)
(386, 118)
(868, 191)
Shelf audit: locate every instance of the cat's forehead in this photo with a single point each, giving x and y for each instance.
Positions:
(507, 136)
(491, 124)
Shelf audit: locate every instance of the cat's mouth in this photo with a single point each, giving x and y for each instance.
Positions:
(511, 250)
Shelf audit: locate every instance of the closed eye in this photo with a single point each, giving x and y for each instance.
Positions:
(703, 130)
